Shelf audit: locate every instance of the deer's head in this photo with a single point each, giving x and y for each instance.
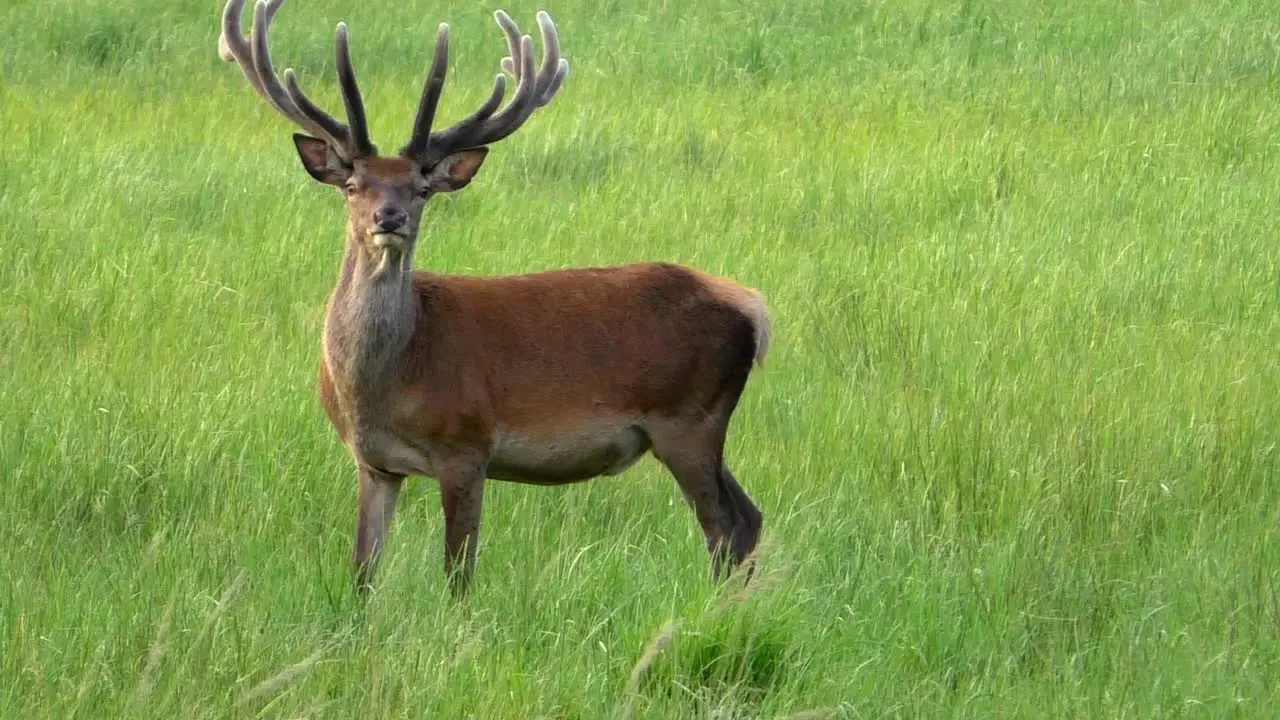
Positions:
(386, 195)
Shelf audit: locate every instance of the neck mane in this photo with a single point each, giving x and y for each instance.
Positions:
(371, 316)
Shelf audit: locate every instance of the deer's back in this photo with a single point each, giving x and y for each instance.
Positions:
(631, 339)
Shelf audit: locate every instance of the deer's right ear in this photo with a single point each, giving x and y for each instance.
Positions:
(321, 162)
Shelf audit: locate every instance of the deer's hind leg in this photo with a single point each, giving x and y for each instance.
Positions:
(694, 453)
(749, 519)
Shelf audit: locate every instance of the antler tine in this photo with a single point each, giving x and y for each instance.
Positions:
(233, 47)
(511, 63)
(323, 126)
(230, 49)
(523, 103)
(253, 55)
(430, 95)
(533, 90)
(332, 131)
(554, 68)
(440, 144)
(358, 133)
(552, 73)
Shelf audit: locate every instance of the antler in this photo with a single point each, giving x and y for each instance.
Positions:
(483, 126)
(253, 56)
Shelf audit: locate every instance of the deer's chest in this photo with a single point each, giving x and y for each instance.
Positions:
(397, 431)
(363, 349)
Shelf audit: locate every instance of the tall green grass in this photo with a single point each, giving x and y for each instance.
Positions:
(1016, 443)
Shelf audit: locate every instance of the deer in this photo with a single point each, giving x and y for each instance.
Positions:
(544, 378)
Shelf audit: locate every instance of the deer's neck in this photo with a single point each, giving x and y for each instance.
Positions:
(371, 319)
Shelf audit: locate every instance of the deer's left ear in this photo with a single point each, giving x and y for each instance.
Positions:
(455, 171)
(321, 162)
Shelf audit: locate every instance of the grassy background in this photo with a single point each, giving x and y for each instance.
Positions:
(1015, 445)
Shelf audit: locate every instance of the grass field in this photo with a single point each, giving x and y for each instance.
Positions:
(1016, 443)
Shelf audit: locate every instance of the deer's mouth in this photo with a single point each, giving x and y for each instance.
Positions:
(393, 240)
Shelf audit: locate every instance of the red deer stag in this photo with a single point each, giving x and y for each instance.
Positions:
(545, 378)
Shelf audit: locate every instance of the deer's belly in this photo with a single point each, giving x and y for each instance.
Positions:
(553, 458)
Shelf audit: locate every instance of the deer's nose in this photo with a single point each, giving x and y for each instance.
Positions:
(390, 219)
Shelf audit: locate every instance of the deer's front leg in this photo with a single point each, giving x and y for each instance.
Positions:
(379, 492)
(462, 497)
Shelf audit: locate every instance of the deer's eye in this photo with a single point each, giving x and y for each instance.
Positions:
(424, 191)
(349, 189)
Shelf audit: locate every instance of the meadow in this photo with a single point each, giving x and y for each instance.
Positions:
(1015, 443)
